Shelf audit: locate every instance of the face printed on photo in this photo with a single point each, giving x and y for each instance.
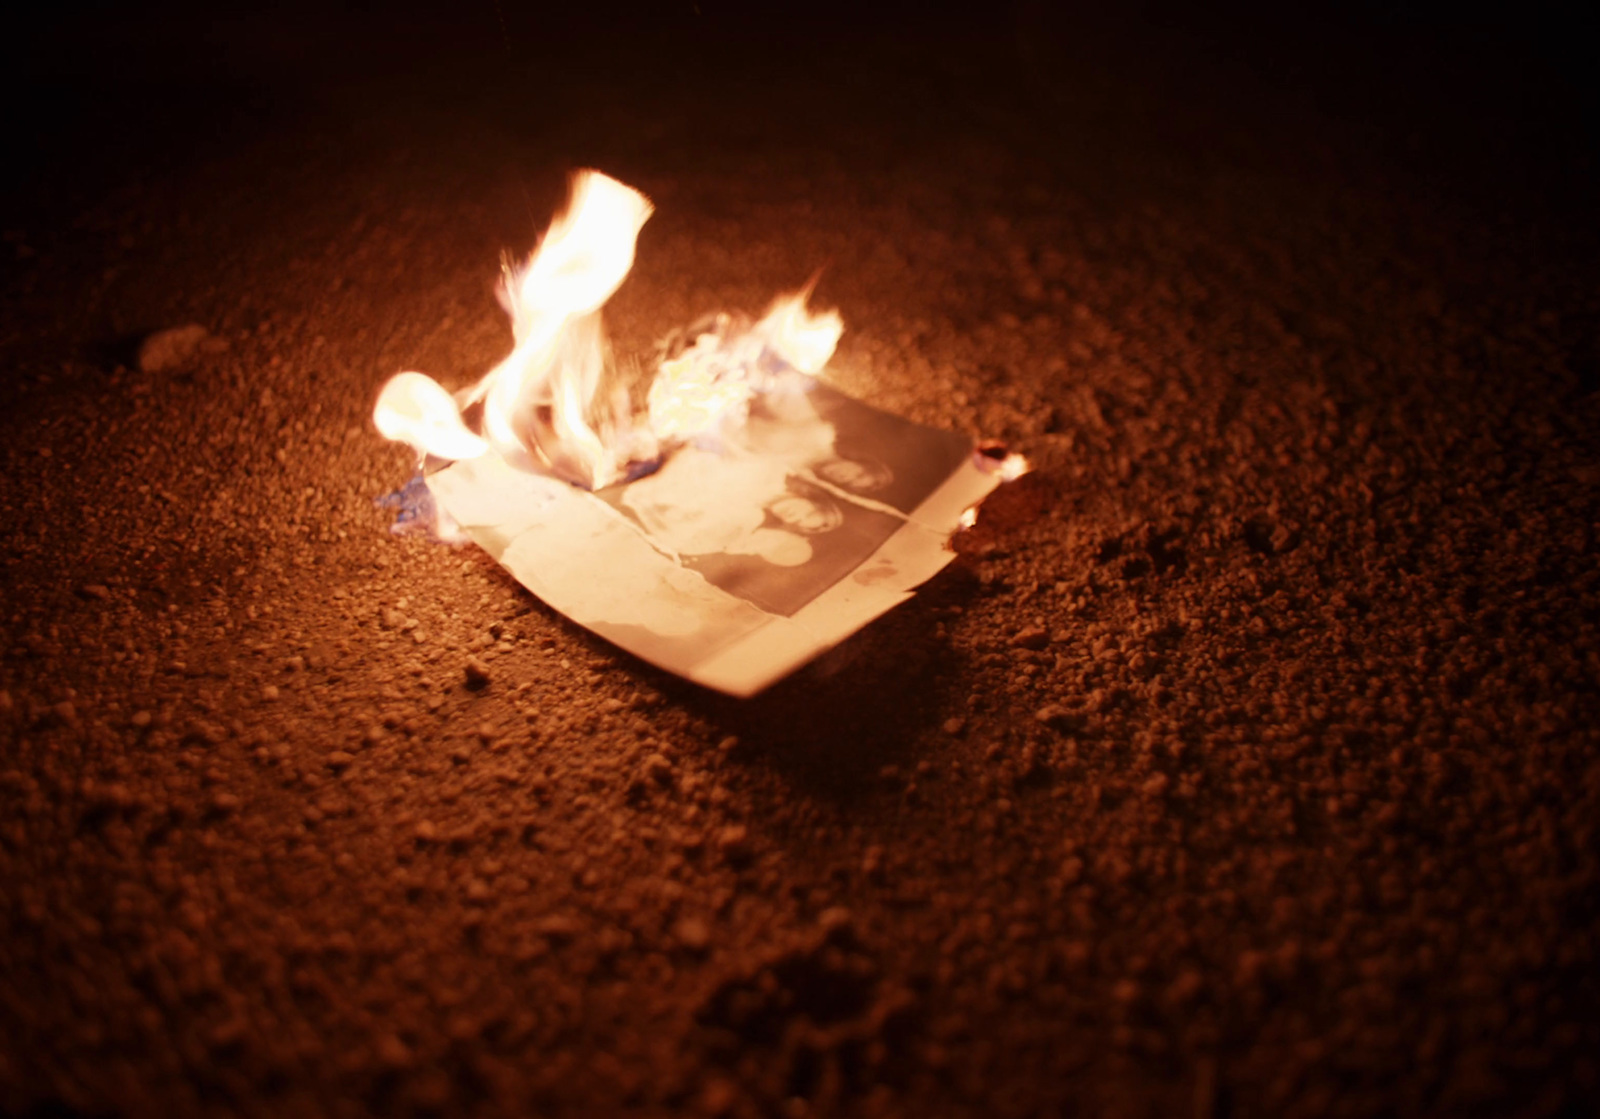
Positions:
(856, 474)
(804, 514)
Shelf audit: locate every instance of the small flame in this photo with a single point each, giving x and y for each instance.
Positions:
(546, 407)
(710, 385)
(1014, 466)
(414, 408)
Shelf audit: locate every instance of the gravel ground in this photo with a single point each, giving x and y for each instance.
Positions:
(1244, 762)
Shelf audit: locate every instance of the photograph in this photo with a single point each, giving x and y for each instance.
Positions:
(752, 524)
(882, 457)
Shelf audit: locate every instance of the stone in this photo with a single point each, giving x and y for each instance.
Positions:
(174, 347)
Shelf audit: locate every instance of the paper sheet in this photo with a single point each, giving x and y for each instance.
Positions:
(742, 557)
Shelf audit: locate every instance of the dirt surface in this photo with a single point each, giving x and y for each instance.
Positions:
(1244, 763)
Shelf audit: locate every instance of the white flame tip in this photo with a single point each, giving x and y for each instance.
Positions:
(414, 408)
(1013, 467)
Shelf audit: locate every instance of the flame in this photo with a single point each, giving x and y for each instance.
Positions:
(543, 406)
(710, 385)
(1014, 466)
(414, 408)
(559, 360)
(546, 406)
(800, 338)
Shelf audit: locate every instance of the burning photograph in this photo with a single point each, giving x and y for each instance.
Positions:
(745, 481)
(780, 531)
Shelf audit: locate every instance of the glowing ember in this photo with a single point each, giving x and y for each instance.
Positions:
(551, 406)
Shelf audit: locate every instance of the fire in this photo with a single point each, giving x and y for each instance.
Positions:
(712, 382)
(415, 409)
(552, 405)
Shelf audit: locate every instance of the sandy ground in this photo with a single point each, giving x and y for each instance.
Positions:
(1244, 763)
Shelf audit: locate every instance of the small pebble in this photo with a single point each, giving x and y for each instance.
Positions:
(392, 1051)
(734, 843)
(1032, 637)
(693, 933)
(1057, 716)
(836, 921)
(171, 348)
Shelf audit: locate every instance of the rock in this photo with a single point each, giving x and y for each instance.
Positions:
(836, 923)
(114, 796)
(718, 1096)
(174, 347)
(1057, 716)
(226, 1034)
(1031, 637)
(392, 1052)
(693, 933)
(1269, 536)
(657, 768)
(733, 842)
(477, 674)
(1186, 986)
(558, 927)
